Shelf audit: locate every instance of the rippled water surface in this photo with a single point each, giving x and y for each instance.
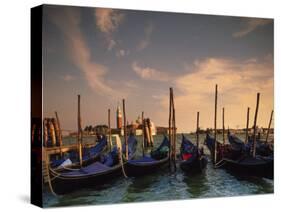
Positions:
(163, 185)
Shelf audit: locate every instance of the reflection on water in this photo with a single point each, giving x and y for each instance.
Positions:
(192, 182)
(164, 185)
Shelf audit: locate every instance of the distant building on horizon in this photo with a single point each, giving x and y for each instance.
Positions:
(162, 130)
(136, 127)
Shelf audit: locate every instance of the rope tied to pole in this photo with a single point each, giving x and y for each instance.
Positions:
(220, 163)
(48, 175)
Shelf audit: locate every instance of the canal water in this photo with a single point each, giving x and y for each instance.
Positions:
(162, 184)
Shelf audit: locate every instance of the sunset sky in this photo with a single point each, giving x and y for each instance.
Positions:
(106, 55)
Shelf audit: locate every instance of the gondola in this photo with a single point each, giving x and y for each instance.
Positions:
(89, 155)
(262, 148)
(192, 160)
(106, 168)
(258, 166)
(236, 143)
(149, 164)
(243, 163)
(209, 142)
(223, 150)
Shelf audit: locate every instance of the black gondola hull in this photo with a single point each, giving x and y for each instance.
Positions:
(195, 166)
(261, 169)
(133, 169)
(63, 185)
(95, 174)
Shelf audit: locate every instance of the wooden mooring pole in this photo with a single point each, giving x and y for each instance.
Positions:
(268, 129)
(150, 132)
(125, 130)
(147, 133)
(142, 121)
(60, 132)
(215, 127)
(247, 126)
(223, 128)
(174, 136)
(170, 135)
(255, 124)
(52, 132)
(57, 131)
(197, 130)
(79, 137)
(109, 131)
(172, 129)
(172, 123)
(45, 127)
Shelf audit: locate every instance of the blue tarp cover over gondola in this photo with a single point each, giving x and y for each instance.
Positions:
(147, 164)
(88, 153)
(158, 154)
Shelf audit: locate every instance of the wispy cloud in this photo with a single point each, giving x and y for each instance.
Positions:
(111, 44)
(108, 21)
(148, 73)
(68, 21)
(68, 78)
(250, 26)
(122, 53)
(238, 82)
(146, 40)
(131, 84)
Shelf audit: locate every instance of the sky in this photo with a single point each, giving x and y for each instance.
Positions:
(106, 55)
